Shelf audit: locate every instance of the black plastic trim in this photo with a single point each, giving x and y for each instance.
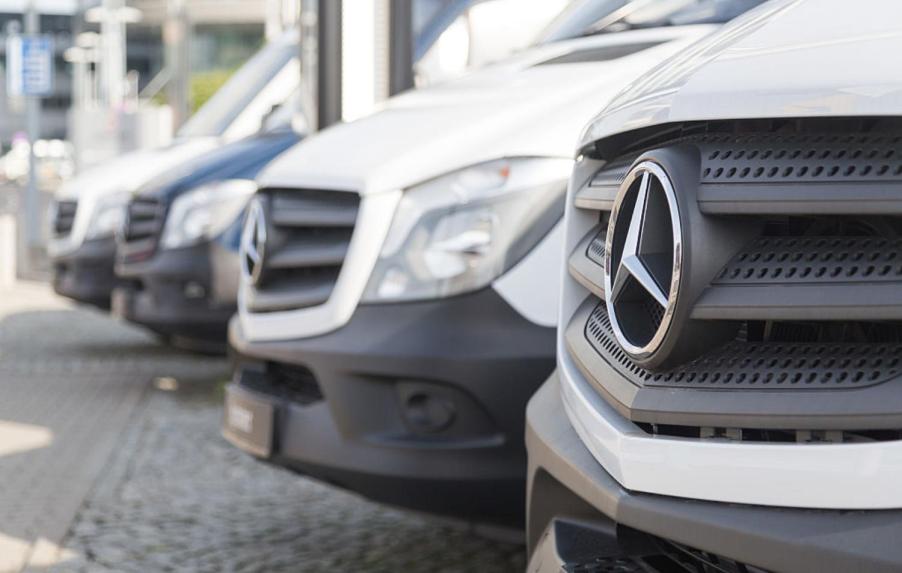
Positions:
(877, 406)
(473, 352)
(86, 274)
(154, 294)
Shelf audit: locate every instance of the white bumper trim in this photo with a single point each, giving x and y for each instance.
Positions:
(824, 476)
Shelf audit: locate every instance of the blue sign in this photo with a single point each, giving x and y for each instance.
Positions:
(29, 65)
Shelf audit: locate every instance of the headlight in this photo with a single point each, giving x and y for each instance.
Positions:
(205, 212)
(457, 233)
(109, 214)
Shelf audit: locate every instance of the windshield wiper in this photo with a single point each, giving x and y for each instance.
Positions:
(617, 16)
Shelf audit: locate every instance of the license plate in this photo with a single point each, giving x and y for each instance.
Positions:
(248, 422)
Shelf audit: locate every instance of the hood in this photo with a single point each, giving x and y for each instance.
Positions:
(130, 171)
(788, 58)
(242, 159)
(532, 105)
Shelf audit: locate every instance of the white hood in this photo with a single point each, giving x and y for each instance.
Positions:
(788, 58)
(522, 107)
(132, 170)
(124, 174)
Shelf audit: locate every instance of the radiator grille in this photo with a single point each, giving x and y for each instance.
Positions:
(140, 234)
(64, 217)
(308, 235)
(793, 256)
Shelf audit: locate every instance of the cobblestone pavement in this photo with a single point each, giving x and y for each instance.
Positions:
(172, 495)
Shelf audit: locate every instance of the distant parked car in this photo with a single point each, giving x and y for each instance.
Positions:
(728, 393)
(89, 208)
(400, 278)
(177, 252)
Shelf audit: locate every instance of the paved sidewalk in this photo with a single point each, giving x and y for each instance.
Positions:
(69, 380)
(111, 460)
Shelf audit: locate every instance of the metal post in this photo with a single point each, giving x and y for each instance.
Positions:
(33, 127)
(400, 46)
(112, 35)
(328, 96)
(176, 32)
(309, 62)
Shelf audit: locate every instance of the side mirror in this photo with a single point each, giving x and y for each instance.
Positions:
(265, 120)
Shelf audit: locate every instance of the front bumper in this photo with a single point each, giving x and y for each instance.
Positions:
(419, 405)
(86, 274)
(568, 486)
(173, 293)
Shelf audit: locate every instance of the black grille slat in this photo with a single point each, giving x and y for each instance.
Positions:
(314, 209)
(308, 236)
(807, 158)
(145, 219)
(64, 217)
(839, 173)
(595, 252)
(293, 293)
(144, 209)
(816, 260)
(808, 278)
(331, 218)
(137, 230)
(600, 193)
(143, 227)
(585, 267)
(759, 366)
(311, 254)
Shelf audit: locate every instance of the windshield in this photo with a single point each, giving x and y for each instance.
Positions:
(587, 17)
(215, 117)
(431, 18)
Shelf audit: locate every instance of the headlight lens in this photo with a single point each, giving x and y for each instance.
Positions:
(205, 212)
(109, 214)
(457, 233)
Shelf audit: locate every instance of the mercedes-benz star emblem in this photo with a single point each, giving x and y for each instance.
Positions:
(253, 242)
(643, 260)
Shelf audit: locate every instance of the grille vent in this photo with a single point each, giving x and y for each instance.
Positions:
(595, 252)
(776, 260)
(144, 219)
(613, 174)
(294, 383)
(759, 366)
(141, 233)
(64, 217)
(803, 158)
(307, 239)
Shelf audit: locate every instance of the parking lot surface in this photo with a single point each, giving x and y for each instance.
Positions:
(111, 460)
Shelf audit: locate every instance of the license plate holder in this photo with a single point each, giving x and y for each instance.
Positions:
(248, 422)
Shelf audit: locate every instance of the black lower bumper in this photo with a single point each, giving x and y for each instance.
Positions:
(86, 274)
(572, 499)
(173, 293)
(419, 405)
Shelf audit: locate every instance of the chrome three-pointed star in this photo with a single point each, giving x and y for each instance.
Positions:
(632, 262)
